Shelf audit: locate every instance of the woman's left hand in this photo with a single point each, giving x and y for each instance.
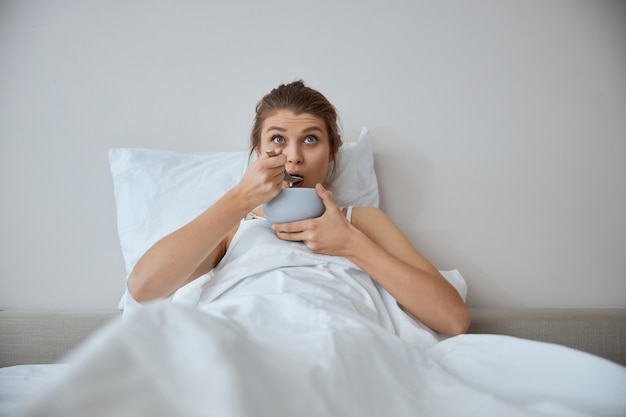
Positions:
(381, 250)
(326, 234)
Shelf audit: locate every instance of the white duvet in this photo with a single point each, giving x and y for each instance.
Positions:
(278, 331)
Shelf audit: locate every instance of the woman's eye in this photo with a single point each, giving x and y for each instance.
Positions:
(278, 139)
(310, 139)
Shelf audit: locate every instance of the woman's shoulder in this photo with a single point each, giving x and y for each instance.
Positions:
(366, 215)
(376, 225)
(367, 211)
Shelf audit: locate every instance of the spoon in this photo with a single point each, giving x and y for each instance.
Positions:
(291, 179)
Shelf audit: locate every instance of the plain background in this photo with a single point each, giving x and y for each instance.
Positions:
(499, 129)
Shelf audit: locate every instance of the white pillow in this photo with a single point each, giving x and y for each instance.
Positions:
(158, 191)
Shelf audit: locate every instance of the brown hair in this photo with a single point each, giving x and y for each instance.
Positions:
(299, 99)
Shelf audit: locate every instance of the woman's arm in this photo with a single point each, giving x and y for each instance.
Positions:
(186, 253)
(385, 253)
(197, 247)
(377, 246)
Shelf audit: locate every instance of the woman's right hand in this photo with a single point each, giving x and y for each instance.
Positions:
(198, 246)
(263, 180)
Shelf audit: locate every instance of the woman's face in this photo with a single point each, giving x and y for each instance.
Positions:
(303, 139)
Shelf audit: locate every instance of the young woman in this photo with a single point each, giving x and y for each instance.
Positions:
(309, 318)
(300, 125)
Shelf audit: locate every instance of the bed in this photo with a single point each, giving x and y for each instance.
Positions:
(34, 345)
(45, 337)
(255, 338)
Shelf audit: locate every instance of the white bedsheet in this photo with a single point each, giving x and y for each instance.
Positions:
(313, 336)
(172, 360)
(19, 383)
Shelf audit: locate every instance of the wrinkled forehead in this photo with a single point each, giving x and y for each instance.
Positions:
(286, 120)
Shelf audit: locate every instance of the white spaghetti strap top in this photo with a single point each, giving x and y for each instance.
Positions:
(349, 214)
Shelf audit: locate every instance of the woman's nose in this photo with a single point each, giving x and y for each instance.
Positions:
(294, 154)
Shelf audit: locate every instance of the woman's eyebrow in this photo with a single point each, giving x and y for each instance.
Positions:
(313, 129)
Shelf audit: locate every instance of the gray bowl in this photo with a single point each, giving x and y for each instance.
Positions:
(294, 204)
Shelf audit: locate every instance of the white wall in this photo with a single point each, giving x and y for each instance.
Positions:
(499, 128)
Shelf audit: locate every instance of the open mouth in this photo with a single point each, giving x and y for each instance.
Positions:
(295, 181)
